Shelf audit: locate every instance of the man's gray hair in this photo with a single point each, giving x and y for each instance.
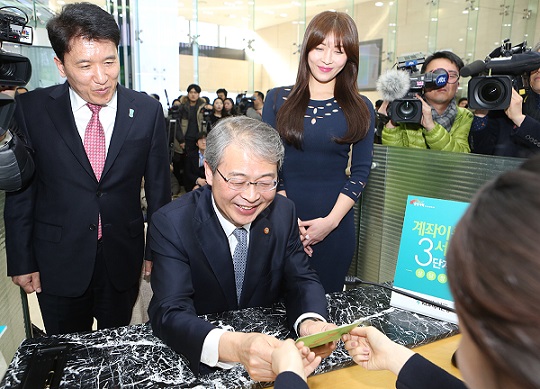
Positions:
(257, 138)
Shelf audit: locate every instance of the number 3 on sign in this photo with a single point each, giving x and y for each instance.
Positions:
(426, 250)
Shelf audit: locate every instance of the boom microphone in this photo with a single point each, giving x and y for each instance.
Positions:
(351, 280)
(473, 68)
(394, 84)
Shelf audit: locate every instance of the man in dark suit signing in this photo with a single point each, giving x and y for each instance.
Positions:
(203, 264)
(76, 235)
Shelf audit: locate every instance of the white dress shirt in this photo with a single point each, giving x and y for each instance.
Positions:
(82, 115)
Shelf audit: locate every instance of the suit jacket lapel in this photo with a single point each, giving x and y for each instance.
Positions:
(59, 109)
(215, 245)
(125, 117)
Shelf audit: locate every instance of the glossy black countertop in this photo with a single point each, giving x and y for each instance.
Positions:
(132, 357)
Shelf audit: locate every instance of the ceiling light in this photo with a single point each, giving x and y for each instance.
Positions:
(379, 4)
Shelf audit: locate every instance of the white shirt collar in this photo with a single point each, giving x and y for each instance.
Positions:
(77, 102)
(227, 226)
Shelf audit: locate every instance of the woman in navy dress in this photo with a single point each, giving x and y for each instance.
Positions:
(321, 119)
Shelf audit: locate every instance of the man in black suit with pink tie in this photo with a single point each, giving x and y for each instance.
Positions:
(76, 234)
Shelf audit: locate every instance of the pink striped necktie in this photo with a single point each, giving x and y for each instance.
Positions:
(94, 144)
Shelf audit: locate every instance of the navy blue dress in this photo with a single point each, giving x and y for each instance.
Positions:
(314, 176)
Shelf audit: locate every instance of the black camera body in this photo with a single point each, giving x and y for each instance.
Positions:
(409, 109)
(243, 103)
(505, 68)
(16, 163)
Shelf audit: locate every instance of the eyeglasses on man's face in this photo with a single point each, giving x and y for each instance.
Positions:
(241, 185)
(453, 77)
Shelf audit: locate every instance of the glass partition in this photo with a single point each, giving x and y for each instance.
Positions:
(398, 172)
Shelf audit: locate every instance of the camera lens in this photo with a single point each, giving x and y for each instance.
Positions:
(407, 109)
(491, 92)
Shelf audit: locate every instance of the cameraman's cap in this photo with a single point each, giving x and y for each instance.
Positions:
(194, 86)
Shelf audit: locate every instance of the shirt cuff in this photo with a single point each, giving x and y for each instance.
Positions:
(210, 350)
(308, 315)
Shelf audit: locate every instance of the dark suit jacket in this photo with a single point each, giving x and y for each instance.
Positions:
(193, 272)
(192, 170)
(419, 373)
(51, 227)
(289, 380)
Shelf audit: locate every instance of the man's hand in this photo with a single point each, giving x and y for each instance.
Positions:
(29, 282)
(147, 268)
(427, 119)
(383, 109)
(515, 109)
(294, 357)
(310, 327)
(253, 350)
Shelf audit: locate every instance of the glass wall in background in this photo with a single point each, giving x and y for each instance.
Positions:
(246, 45)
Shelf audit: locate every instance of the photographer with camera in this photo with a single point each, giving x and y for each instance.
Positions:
(443, 125)
(514, 131)
(255, 112)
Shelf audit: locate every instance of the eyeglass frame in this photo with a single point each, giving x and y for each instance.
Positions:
(247, 184)
(452, 73)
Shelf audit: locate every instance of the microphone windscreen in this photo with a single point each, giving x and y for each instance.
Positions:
(473, 68)
(394, 84)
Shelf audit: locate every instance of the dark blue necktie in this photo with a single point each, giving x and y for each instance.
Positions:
(240, 259)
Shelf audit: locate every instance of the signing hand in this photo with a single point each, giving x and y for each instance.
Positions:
(29, 282)
(373, 350)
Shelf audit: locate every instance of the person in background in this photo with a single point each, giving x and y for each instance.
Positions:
(514, 132)
(222, 93)
(497, 302)
(194, 175)
(463, 102)
(76, 235)
(230, 245)
(321, 118)
(192, 116)
(217, 113)
(255, 112)
(229, 107)
(444, 125)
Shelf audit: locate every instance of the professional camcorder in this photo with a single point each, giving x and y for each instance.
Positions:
(401, 86)
(243, 103)
(505, 68)
(16, 164)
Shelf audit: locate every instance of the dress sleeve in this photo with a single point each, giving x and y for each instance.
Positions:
(362, 155)
(419, 373)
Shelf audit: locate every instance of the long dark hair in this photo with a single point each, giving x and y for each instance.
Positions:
(290, 118)
(494, 271)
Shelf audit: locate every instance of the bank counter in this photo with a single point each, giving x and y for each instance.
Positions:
(132, 357)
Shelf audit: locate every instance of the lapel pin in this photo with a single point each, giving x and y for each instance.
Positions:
(131, 111)
(266, 230)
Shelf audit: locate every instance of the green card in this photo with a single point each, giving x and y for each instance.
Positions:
(321, 338)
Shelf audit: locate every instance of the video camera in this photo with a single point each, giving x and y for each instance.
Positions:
(492, 80)
(401, 86)
(16, 164)
(243, 103)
